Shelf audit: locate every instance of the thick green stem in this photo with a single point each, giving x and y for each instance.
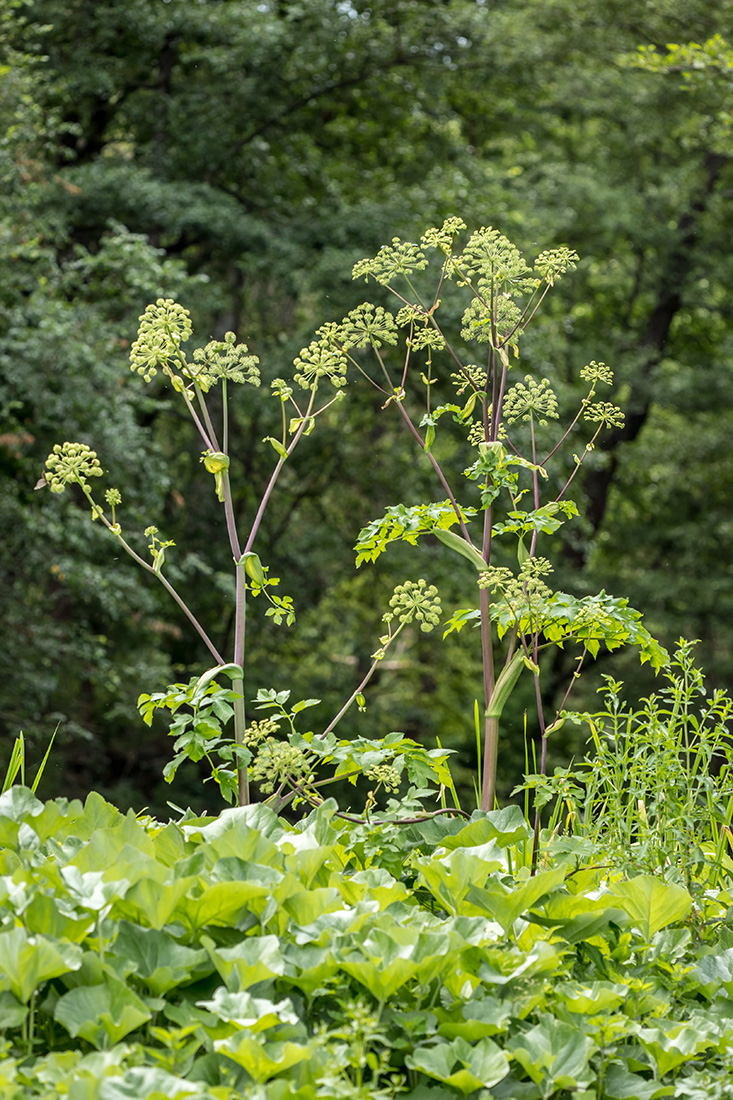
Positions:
(240, 720)
(491, 725)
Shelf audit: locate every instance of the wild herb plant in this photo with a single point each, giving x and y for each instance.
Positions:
(655, 792)
(508, 425)
(279, 757)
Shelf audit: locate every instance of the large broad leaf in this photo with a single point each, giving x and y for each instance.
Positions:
(151, 901)
(671, 1045)
(576, 917)
(451, 876)
(160, 961)
(122, 850)
(651, 903)
(621, 1084)
(253, 1013)
(102, 1014)
(475, 1019)
(506, 905)
(592, 998)
(254, 959)
(462, 1065)
(12, 1012)
(44, 913)
(148, 1083)
(714, 973)
(241, 821)
(17, 806)
(309, 966)
(262, 1060)
(98, 814)
(224, 903)
(376, 883)
(555, 1055)
(89, 890)
(28, 961)
(505, 826)
(306, 906)
(392, 955)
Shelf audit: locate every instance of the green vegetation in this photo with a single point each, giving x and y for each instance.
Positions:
(412, 866)
(128, 176)
(242, 956)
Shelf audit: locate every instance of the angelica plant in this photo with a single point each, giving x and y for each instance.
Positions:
(165, 327)
(508, 424)
(286, 763)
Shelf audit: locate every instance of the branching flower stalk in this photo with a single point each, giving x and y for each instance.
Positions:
(504, 297)
(164, 327)
(518, 615)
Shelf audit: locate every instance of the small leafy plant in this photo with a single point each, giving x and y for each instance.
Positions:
(655, 792)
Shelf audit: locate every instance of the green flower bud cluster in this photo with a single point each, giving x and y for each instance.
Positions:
(397, 258)
(526, 589)
(606, 414)
(477, 434)
(533, 399)
(224, 359)
(415, 600)
(164, 326)
(278, 761)
(367, 325)
(426, 338)
(597, 372)
(385, 775)
(443, 238)
(493, 263)
(553, 264)
(477, 319)
(476, 375)
(71, 463)
(281, 389)
(321, 359)
(257, 732)
(592, 619)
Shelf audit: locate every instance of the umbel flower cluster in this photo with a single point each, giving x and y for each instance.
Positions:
(71, 464)
(164, 327)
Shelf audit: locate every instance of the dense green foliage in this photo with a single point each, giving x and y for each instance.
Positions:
(241, 157)
(245, 957)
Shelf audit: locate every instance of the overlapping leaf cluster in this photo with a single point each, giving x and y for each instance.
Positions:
(247, 957)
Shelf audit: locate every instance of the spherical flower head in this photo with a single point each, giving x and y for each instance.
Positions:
(419, 601)
(385, 775)
(478, 319)
(605, 413)
(71, 463)
(443, 238)
(257, 732)
(224, 359)
(493, 263)
(397, 258)
(553, 264)
(597, 372)
(278, 761)
(113, 497)
(530, 399)
(164, 326)
(368, 324)
(320, 360)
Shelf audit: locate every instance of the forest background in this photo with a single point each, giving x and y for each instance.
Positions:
(241, 157)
